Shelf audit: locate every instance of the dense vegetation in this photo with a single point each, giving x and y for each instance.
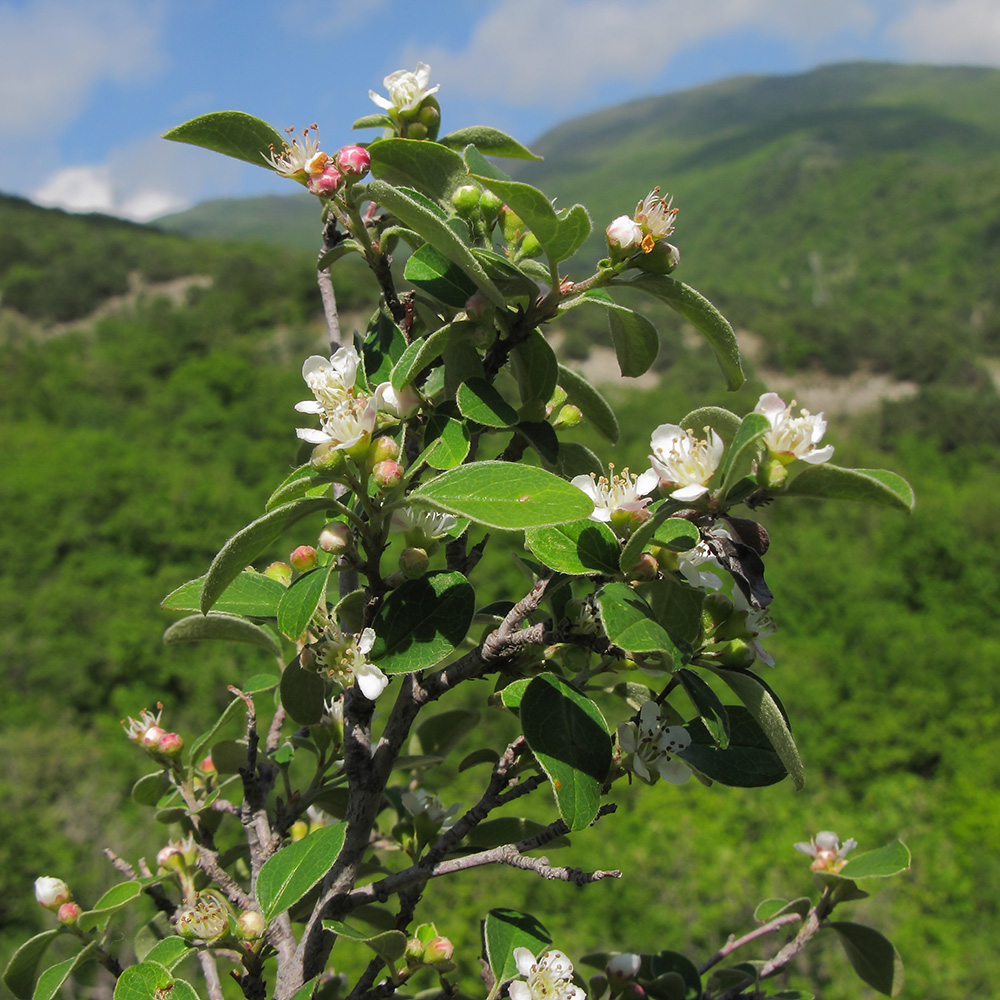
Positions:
(136, 442)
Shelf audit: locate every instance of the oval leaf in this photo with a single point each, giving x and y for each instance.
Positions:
(635, 340)
(232, 133)
(247, 544)
(218, 626)
(447, 441)
(578, 548)
(20, 972)
(880, 863)
(433, 273)
(711, 710)
(569, 737)
(873, 956)
(303, 694)
(111, 902)
(490, 141)
(757, 697)
(830, 482)
(503, 931)
(288, 875)
(52, 979)
(144, 981)
(748, 762)
(429, 167)
(698, 311)
(421, 622)
(299, 602)
(479, 401)
(630, 622)
(251, 594)
(504, 495)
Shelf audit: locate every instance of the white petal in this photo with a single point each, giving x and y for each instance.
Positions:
(687, 493)
(366, 641)
(647, 482)
(675, 771)
(380, 100)
(518, 990)
(314, 363)
(626, 738)
(639, 766)
(770, 405)
(524, 960)
(312, 435)
(371, 681)
(818, 455)
(309, 406)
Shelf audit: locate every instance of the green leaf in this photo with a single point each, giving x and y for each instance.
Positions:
(711, 710)
(288, 875)
(479, 401)
(441, 733)
(53, 978)
(145, 981)
(560, 237)
(724, 422)
(218, 626)
(20, 972)
(422, 352)
(576, 460)
(251, 594)
(569, 738)
(418, 217)
(752, 428)
(507, 275)
(698, 311)
(422, 621)
(297, 483)
(671, 963)
(748, 762)
(433, 273)
(490, 141)
(390, 946)
(168, 952)
(300, 600)
(503, 931)
(883, 862)
(248, 543)
(462, 362)
(757, 697)
(592, 404)
(636, 341)
(427, 166)
(150, 788)
(375, 120)
(536, 369)
(830, 482)
(447, 440)
(771, 908)
(504, 495)
(236, 709)
(676, 534)
(110, 903)
(229, 756)
(578, 548)
(383, 346)
(232, 133)
(630, 623)
(874, 958)
(540, 435)
(303, 694)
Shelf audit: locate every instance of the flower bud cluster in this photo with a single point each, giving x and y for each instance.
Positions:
(321, 173)
(156, 741)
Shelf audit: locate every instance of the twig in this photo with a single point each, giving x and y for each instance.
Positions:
(733, 943)
(211, 973)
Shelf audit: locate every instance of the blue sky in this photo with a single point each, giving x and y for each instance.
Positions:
(87, 86)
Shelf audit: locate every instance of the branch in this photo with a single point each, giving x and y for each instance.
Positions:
(330, 239)
(211, 973)
(733, 943)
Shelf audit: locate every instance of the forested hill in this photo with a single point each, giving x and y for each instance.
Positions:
(848, 214)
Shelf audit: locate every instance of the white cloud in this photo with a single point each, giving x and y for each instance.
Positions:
(142, 181)
(54, 52)
(330, 19)
(949, 31)
(561, 51)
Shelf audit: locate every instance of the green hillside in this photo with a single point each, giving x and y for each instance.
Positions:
(146, 388)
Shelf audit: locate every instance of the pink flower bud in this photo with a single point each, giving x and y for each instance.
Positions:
(383, 448)
(206, 765)
(303, 558)
(170, 858)
(51, 892)
(279, 571)
(150, 739)
(388, 475)
(171, 744)
(353, 162)
(414, 952)
(645, 569)
(325, 184)
(68, 913)
(624, 236)
(335, 537)
(477, 306)
(633, 991)
(438, 951)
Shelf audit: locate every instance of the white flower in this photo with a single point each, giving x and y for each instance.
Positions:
(420, 802)
(419, 526)
(51, 892)
(343, 657)
(682, 460)
(135, 729)
(622, 967)
(792, 437)
(622, 492)
(650, 746)
(689, 565)
(297, 161)
(406, 89)
(826, 851)
(400, 404)
(344, 427)
(550, 978)
(624, 233)
(330, 381)
(655, 218)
